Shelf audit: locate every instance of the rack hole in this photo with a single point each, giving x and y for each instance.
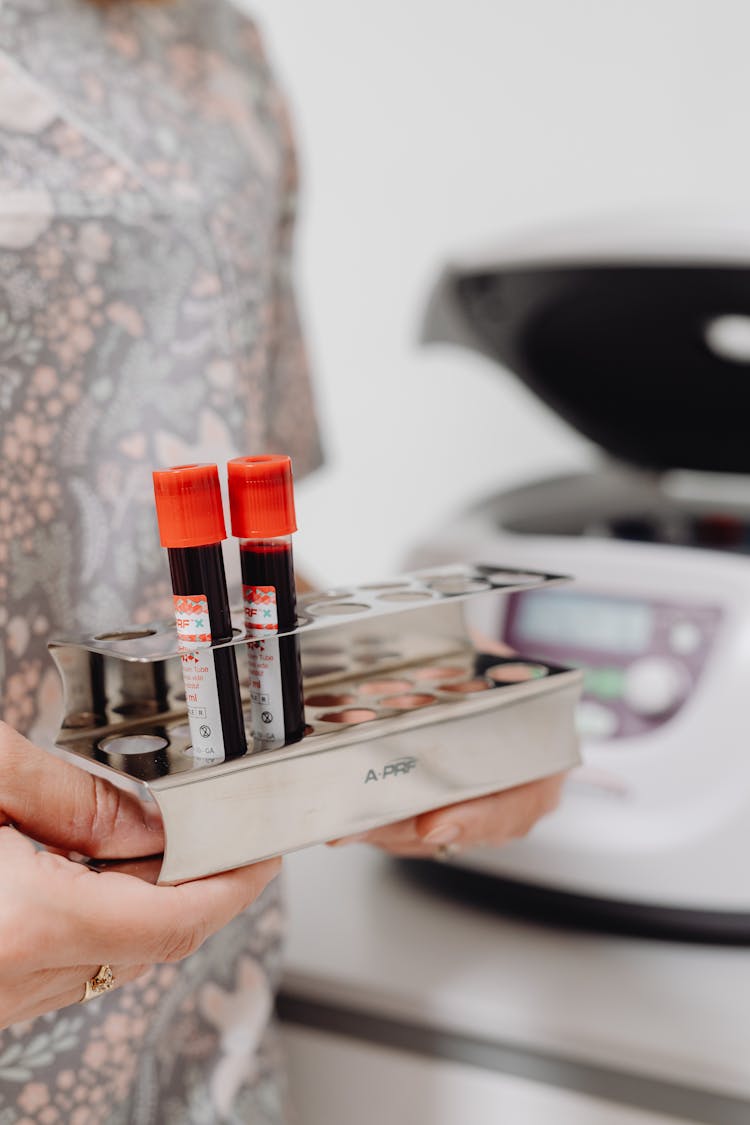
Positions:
(133, 744)
(126, 635)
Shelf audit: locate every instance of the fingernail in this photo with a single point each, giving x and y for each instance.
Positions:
(443, 834)
(349, 840)
(152, 817)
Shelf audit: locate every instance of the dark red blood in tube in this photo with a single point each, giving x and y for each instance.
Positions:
(261, 496)
(272, 564)
(202, 568)
(191, 526)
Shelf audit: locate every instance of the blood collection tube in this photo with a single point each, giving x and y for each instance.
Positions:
(191, 527)
(261, 500)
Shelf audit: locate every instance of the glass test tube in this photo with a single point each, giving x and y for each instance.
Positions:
(261, 497)
(191, 526)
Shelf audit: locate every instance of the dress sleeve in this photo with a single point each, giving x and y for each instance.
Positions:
(292, 421)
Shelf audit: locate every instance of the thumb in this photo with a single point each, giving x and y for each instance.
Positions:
(55, 803)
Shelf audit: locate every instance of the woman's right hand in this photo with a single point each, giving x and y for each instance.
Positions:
(60, 921)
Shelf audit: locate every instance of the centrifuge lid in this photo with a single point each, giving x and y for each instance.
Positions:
(641, 343)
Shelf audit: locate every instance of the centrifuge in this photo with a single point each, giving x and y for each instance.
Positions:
(641, 341)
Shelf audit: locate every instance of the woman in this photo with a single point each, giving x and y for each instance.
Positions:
(146, 195)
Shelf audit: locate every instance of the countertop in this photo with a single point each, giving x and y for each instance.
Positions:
(367, 940)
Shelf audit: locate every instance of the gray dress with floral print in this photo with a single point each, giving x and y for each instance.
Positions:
(146, 194)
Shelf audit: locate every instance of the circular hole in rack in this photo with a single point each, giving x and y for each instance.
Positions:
(435, 673)
(405, 596)
(409, 701)
(351, 716)
(313, 670)
(456, 586)
(514, 578)
(466, 687)
(326, 596)
(385, 586)
(383, 687)
(462, 572)
(126, 635)
(370, 658)
(329, 699)
(133, 744)
(516, 672)
(336, 609)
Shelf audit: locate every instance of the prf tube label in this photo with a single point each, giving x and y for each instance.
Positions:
(266, 696)
(199, 674)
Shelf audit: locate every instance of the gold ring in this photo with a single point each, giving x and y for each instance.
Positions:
(444, 852)
(102, 981)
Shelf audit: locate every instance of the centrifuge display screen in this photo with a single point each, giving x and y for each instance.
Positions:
(580, 621)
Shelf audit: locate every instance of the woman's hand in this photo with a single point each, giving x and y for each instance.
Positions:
(484, 822)
(59, 921)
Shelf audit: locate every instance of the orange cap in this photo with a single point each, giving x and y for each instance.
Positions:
(188, 506)
(261, 496)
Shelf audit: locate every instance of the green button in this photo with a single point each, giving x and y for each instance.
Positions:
(607, 683)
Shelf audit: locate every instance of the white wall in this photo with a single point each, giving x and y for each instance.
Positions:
(427, 126)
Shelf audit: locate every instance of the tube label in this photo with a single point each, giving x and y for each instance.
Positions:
(266, 695)
(199, 674)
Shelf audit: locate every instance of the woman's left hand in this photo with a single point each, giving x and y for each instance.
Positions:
(483, 822)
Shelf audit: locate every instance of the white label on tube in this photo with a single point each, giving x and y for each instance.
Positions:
(266, 695)
(199, 674)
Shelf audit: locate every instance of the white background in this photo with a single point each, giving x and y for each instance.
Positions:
(427, 127)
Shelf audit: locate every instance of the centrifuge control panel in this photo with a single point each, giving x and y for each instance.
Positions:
(641, 658)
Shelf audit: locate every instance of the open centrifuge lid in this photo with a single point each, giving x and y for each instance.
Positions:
(637, 333)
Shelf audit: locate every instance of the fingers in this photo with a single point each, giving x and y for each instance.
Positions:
(59, 982)
(60, 921)
(50, 990)
(57, 804)
(491, 820)
(118, 918)
(65, 912)
(485, 821)
(402, 833)
(76, 987)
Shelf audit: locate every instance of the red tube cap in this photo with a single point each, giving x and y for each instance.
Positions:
(188, 506)
(261, 496)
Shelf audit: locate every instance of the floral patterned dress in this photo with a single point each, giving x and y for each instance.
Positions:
(146, 194)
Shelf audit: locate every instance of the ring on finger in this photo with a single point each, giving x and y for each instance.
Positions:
(445, 852)
(102, 981)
